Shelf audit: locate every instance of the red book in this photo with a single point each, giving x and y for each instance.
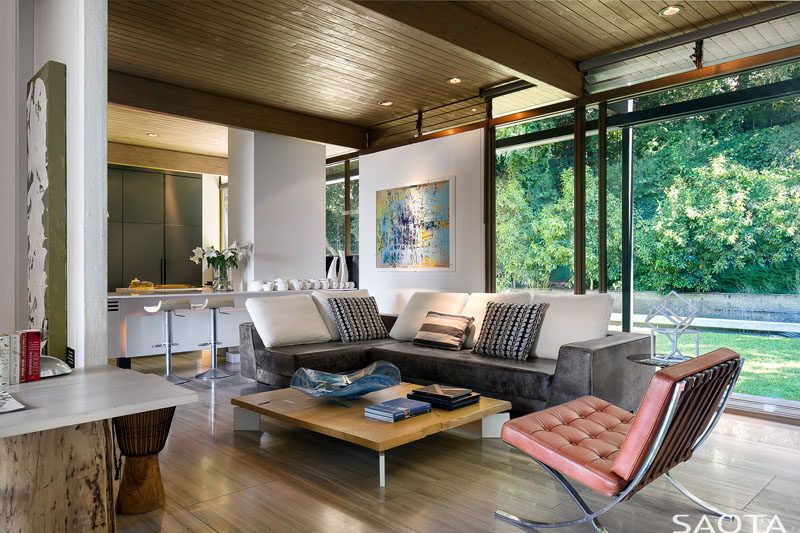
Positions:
(23, 356)
(34, 351)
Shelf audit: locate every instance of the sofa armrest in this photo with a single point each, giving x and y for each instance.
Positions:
(388, 321)
(599, 367)
(249, 342)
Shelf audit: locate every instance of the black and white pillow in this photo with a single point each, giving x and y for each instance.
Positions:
(357, 319)
(443, 330)
(509, 330)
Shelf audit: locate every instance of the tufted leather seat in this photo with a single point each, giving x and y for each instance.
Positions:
(580, 438)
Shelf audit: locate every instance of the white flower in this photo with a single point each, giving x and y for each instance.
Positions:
(228, 253)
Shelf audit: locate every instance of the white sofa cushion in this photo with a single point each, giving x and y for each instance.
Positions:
(571, 318)
(476, 308)
(321, 299)
(287, 320)
(413, 314)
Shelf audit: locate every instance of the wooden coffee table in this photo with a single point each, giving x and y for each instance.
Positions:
(331, 418)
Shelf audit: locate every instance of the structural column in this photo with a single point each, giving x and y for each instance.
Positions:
(74, 32)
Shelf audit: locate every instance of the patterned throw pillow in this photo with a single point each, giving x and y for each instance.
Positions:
(441, 330)
(357, 319)
(509, 330)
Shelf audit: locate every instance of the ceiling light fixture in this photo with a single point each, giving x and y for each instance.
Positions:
(152, 134)
(385, 103)
(453, 81)
(671, 10)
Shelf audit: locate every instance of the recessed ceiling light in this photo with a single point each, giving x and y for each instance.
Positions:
(453, 81)
(671, 10)
(152, 134)
(474, 109)
(385, 103)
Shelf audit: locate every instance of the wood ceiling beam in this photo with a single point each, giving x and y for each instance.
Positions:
(142, 93)
(481, 37)
(146, 156)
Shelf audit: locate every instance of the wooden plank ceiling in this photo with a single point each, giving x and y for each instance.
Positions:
(580, 30)
(323, 58)
(132, 126)
(336, 59)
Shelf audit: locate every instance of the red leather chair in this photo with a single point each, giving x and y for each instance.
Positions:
(618, 453)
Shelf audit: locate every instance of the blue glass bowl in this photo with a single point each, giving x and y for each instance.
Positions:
(317, 384)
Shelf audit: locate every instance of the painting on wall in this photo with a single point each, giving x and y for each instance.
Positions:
(415, 226)
(46, 105)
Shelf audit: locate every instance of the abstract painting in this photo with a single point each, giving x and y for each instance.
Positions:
(414, 226)
(47, 206)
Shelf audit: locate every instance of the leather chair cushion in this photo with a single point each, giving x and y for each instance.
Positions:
(654, 405)
(580, 439)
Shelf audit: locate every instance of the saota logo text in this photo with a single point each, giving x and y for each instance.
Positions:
(748, 523)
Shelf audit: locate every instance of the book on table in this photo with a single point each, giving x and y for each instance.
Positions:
(8, 404)
(471, 399)
(396, 409)
(442, 392)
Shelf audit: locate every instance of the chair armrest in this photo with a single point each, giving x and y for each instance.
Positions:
(599, 367)
(249, 342)
(388, 321)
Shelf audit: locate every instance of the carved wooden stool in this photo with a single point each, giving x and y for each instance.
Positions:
(140, 438)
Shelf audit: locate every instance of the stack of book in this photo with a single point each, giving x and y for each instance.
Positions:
(20, 354)
(445, 397)
(396, 410)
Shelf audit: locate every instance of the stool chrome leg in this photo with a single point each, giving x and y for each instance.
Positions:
(169, 376)
(214, 372)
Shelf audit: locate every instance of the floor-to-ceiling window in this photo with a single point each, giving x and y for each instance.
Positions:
(534, 195)
(341, 208)
(716, 214)
(717, 219)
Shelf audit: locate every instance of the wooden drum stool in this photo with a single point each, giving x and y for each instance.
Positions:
(140, 438)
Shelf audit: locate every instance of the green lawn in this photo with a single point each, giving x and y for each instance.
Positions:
(772, 364)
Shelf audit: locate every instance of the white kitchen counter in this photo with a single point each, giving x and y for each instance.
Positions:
(133, 332)
(88, 395)
(205, 294)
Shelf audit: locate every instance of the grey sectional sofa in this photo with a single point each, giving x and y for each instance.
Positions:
(597, 367)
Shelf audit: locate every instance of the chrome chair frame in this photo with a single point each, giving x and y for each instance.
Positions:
(213, 372)
(682, 387)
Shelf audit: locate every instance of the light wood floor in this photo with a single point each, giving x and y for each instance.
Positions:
(287, 479)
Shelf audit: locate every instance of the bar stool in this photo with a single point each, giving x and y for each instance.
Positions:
(213, 305)
(168, 308)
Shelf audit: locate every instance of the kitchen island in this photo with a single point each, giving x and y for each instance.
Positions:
(133, 332)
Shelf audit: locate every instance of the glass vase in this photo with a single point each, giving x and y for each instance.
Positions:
(222, 279)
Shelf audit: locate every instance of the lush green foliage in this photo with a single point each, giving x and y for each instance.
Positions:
(335, 217)
(720, 219)
(716, 198)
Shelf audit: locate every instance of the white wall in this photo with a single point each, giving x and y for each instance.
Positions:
(276, 200)
(16, 67)
(241, 184)
(289, 215)
(211, 219)
(460, 155)
(74, 32)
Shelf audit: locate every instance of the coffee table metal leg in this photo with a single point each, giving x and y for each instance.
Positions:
(492, 425)
(381, 469)
(245, 419)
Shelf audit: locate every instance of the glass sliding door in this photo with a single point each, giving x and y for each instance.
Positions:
(717, 219)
